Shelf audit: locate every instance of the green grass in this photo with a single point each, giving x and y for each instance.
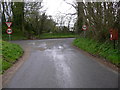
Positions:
(14, 36)
(20, 36)
(10, 53)
(104, 50)
(56, 35)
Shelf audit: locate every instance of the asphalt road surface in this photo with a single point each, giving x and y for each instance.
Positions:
(54, 63)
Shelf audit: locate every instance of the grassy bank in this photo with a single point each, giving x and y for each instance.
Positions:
(10, 53)
(56, 35)
(104, 50)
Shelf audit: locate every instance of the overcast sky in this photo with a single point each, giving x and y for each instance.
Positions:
(56, 6)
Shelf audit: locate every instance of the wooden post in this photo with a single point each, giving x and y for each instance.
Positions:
(84, 34)
(9, 37)
(114, 43)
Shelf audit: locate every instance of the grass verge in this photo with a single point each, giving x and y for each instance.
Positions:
(56, 35)
(10, 53)
(20, 36)
(104, 50)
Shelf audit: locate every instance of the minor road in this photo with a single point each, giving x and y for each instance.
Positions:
(54, 63)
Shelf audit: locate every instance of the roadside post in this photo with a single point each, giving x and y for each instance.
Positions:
(9, 30)
(113, 35)
(84, 28)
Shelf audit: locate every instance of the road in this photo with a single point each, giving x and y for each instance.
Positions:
(54, 63)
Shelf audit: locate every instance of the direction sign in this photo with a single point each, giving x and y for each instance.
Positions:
(8, 24)
(84, 27)
(9, 31)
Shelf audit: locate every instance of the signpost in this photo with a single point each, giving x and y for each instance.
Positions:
(84, 28)
(113, 35)
(9, 30)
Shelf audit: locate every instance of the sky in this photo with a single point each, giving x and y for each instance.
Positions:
(55, 7)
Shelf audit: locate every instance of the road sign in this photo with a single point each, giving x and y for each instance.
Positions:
(8, 24)
(9, 31)
(84, 27)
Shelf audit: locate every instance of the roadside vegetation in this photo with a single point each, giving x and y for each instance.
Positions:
(57, 35)
(104, 50)
(10, 53)
(99, 18)
(20, 36)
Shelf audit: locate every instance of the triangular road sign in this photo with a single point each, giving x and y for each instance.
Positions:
(8, 24)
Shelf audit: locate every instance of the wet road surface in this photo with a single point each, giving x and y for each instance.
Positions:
(54, 63)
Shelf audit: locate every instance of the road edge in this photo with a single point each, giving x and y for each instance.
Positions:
(8, 74)
(99, 60)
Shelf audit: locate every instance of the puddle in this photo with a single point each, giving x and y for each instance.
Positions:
(33, 43)
(42, 45)
(39, 46)
(41, 49)
(63, 71)
(60, 47)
